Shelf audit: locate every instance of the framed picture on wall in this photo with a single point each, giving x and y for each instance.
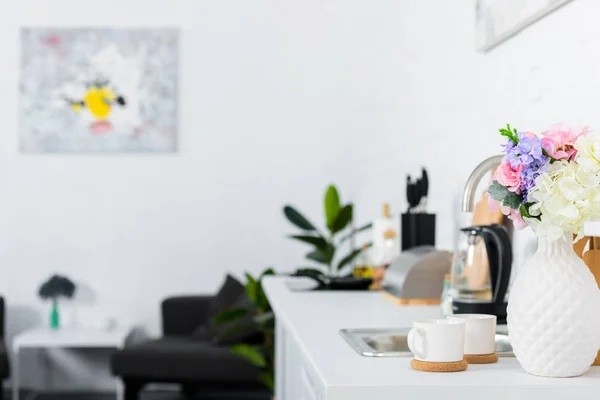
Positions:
(498, 20)
(98, 90)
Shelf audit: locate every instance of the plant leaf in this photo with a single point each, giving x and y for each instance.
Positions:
(332, 205)
(320, 256)
(343, 219)
(297, 219)
(513, 201)
(249, 353)
(229, 315)
(246, 329)
(355, 231)
(509, 133)
(350, 257)
(267, 378)
(251, 287)
(524, 210)
(506, 197)
(267, 272)
(317, 241)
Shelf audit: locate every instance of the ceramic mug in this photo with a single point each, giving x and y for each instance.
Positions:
(437, 340)
(480, 332)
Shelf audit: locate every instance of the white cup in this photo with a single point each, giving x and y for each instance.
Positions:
(437, 340)
(480, 332)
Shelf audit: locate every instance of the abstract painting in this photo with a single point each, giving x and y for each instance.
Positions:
(98, 90)
(498, 20)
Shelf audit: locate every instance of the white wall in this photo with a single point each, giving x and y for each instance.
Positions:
(277, 99)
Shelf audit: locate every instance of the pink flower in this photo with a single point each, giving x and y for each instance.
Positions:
(513, 215)
(493, 205)
(559, 140)
(509, 177)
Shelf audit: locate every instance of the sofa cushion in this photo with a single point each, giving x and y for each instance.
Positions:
(176, 359)
(228, 294)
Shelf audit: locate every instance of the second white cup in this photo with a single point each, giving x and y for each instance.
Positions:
(480, 332)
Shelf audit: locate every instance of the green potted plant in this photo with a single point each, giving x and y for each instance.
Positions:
(262, 352)
(55, 287)
(325, 245)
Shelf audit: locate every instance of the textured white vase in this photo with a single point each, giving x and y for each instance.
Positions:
(554, 312)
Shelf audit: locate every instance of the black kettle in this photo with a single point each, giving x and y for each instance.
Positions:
(481, 271)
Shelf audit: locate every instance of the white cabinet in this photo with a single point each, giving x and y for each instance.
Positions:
(295, 377)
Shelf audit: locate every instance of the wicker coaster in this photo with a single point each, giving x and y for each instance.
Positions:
(439, 366)
(481, 358)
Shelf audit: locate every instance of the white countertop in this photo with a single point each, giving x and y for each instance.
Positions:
(315, 318)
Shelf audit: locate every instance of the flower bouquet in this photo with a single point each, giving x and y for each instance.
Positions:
(552, 183)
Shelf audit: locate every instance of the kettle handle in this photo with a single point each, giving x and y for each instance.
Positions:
(502, 241)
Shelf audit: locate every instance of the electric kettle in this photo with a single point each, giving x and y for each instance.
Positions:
(481, 271)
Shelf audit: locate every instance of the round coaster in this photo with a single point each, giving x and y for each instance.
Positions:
(481, 358)
(439, 366)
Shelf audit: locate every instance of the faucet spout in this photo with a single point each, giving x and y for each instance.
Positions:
(468, 198)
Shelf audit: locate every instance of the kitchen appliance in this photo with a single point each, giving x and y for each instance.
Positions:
(481, 271)
(417, 276)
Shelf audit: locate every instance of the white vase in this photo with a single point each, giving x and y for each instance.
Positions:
(554, 312)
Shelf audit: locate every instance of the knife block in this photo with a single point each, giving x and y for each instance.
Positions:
(418, 229)
(591, 257)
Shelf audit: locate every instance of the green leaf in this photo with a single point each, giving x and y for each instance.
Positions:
(322, 256)
(509, 133)
(513, 201)
(250, 354)
(267, 272)
(317, 241)
(251, 287)
(229, 315)
(524, 210)
(343, 219)
(332, 205)
(247, 329)
(350, 257)
(355, 231)
(297, 219)
(267, 378)
(506, 197)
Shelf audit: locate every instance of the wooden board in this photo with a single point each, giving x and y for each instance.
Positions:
(410, 302)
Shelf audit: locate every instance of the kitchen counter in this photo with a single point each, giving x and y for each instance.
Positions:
(314, 362)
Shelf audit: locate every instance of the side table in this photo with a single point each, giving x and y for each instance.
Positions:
(65, 338)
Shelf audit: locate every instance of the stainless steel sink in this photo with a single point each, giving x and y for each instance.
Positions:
(392, 342)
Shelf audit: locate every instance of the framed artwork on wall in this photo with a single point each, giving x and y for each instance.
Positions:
(98, 90)
(498, 20)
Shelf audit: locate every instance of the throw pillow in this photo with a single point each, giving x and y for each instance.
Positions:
(228, 294)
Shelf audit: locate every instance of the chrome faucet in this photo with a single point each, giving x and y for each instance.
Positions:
(468, 198)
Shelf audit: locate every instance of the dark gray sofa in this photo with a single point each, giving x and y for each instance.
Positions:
(186, 354)
(4, 366)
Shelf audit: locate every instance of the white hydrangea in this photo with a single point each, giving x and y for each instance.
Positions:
(566, 196)
(588, 152)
